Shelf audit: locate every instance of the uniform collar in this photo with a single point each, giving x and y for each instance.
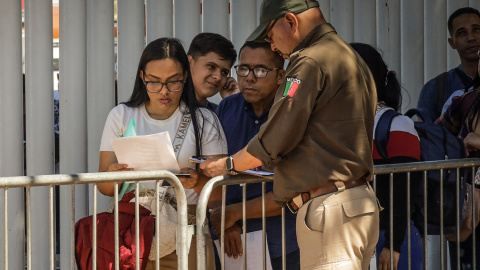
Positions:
(314, 35)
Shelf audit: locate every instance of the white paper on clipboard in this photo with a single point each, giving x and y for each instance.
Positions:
(146, 152)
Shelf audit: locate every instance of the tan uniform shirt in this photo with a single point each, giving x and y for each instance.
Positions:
(320, 127)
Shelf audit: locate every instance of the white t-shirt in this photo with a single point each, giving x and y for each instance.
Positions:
(212, 136)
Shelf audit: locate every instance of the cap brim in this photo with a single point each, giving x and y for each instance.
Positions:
(259, 33)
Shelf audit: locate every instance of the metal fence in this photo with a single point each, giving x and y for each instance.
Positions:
(432, 260)
(50, 181)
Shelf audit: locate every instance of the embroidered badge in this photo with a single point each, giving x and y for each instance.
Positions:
(291, 86)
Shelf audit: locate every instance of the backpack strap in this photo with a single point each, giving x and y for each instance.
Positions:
(466, 80)
(441, 87)
(382, 131)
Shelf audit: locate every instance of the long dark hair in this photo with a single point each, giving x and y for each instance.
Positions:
(388, 88)
(167, 48)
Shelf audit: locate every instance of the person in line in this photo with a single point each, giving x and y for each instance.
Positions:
(403, 146)
(211, 57)
(163, 95)
(461, 118)
(260, 72)
(318, 137)
(464, 29)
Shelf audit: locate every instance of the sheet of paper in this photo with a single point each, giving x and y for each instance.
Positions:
(147, 152)
(254, 254)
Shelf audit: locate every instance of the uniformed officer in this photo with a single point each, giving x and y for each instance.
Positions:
(318, 137)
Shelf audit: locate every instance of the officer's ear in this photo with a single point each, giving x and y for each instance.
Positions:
(292, 21)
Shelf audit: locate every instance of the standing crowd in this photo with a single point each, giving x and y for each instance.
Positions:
(313, 123)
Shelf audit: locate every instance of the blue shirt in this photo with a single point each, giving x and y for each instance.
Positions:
(240, 124)
(427, 100)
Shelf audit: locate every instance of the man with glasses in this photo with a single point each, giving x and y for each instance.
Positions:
(318, 137)
(260, 72)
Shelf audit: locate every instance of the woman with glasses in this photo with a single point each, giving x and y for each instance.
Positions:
(163, 97)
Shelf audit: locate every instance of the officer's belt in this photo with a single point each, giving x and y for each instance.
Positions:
(299, 200)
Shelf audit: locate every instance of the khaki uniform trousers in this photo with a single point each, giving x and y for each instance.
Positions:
(338, 230)
(169, 262)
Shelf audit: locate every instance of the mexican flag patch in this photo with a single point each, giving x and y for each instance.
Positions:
(291, 86)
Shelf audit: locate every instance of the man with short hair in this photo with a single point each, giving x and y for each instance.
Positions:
(260, 72)
(211, 58)
(318, 137)
(464, 29)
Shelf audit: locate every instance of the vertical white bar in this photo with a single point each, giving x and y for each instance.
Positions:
(157, 224)
(388, 35)
(72, 228)
(5, 229)
(187, 20)
(284, 252)
(364, 22)
(94, 228)
(325, 7)
(412, 47)
(137, 225)
(409, 218)
(244, 224)
(131, 41)
(116, 224)
(244, 21)
(452, 56)
(342, 18)
(436, 35)
(100, 83)
(159, 19)
(73, 113)
(390, 218)
(222, 228)
(264, 228)
(28, 217)
(11, 138)
(215, 17)
(39, 117)
(51, 227)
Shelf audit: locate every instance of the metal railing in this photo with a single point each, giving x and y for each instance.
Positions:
(378, 169)
(94, 178)
(50, 181)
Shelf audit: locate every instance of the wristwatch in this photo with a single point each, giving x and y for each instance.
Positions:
(229, 165)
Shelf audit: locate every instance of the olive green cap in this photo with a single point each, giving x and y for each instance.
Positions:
(274, 9)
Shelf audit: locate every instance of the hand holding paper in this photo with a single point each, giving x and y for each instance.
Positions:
(148, 152)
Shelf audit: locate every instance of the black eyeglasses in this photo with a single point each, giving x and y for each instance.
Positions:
(267, 38)
(258, 72)
(156, 87)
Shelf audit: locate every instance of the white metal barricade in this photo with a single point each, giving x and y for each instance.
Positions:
(436, 262)
(50, 181)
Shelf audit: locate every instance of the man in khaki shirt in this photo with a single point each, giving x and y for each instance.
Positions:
(318, 137)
